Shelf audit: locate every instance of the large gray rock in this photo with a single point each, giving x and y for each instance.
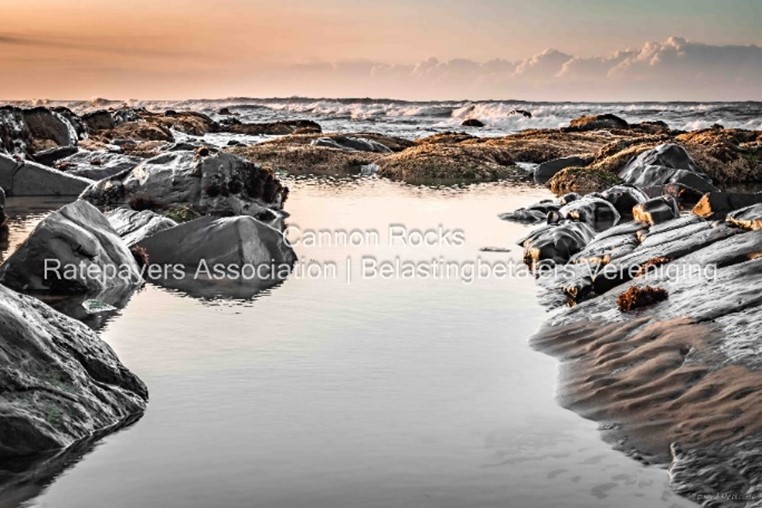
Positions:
(594, 211)
(546, 170)
(44, 123)
(74, 250)
(252, 255)
(556, 242)
(667, 163)
(60, 382)
(656, 210)
(97, 165)
(134, 226)
(353, 144)
(26, 131)
(208, 183)
(22, 178)
(624, 198)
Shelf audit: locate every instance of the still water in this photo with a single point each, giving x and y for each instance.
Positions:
(354, 391)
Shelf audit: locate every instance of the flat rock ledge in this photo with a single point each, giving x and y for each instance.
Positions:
(59, 382)
(678, 382)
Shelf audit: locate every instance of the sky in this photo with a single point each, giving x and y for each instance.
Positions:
(413, 49)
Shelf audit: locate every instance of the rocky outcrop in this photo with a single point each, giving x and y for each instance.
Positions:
(429, 162)
(188, 122)
(205, 182)
(135, 226)
(51, 155)
(281, 128)
(74, 250)
(597, 122)
(97, 165)
(667, 163)
(547, 170)
(60, 382)
(582, 180)
(656, 210)
(716, 205)
(23, 178)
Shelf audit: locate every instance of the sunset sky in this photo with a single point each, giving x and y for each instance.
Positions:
(413, 49)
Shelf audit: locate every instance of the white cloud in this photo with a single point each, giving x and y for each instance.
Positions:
(674, 69)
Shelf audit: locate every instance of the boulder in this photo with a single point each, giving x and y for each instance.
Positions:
(656, 210)
(747, 218)
(533, 213)
(270, 128)
(249, 253)
(60, 382)
(716, 205)
(45, 124)
(98, 120)
(685, 196)
(188, 122)
(597, 122)
(556, 242)
(51, 155)
(596, 212)
(21, 178)
(546, 170)
(583, 180)
(97, 165)
(139, 130)
(353, 144)
(624, 198)
(667, 163)
(472, 122)
(206, 182)
(135, 226)
(74, 250)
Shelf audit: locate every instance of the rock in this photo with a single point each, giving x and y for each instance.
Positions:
(45, 124)
(597, 122)
(522, 112)
(74, 120)
(270, 128)
(97, 165)
(135, 226)
(546, 170)
(139, 130)
(685, 196)
(534, 213)
(212, 184)
(556, 242)
(3, 218)
(99, 120)
(353, 144)
(624, 198)
(253, 255)
(26, 131)
(582, 180)
(51, 155)
(472, 122)
(747, 218)
(716, 205)
(667, 163)
(20, 178)
(81, 252)
(455, 163)
(656, 210)
(225, 112)
(61, 383)
(596, 212)
(188, 122)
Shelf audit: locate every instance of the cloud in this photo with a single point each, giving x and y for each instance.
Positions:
(98, 46)
(673, 69)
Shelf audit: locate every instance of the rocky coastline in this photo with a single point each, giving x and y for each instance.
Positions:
(674, 380)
